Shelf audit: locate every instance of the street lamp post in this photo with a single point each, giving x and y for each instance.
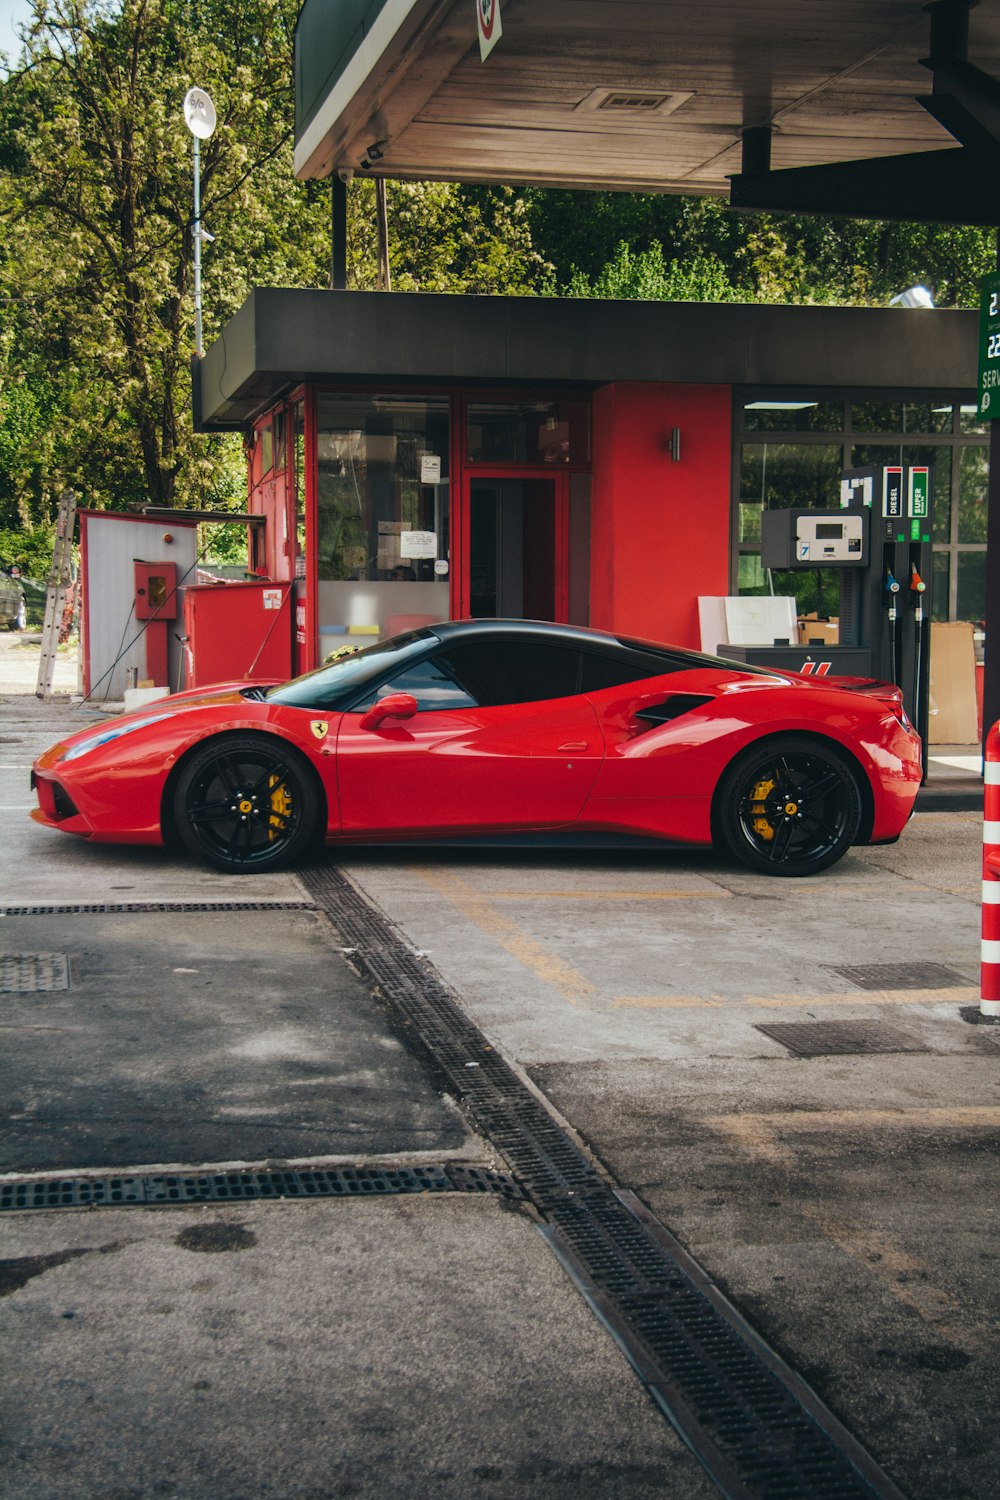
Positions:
(199, 116)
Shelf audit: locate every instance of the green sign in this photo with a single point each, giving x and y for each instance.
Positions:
(919, 486)
(989, 347)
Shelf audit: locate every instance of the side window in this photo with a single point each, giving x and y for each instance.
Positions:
(607, 671)
(429, 682)
(498, 671)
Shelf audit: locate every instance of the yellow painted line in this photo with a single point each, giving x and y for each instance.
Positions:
(477, 909)
(910, 1281)
(762, 1133)
(795, 1001)
(668, 1002)
(610, 895)
(901, 1274)
(954, 995)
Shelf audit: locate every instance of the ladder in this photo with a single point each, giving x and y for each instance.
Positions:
(55, 600)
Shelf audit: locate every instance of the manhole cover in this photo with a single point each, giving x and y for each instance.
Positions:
(27, 973)
(828, 1038)
(901, 976)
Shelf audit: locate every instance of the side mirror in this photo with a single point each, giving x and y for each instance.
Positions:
(392, 706)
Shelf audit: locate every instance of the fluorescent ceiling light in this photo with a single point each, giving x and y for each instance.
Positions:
(779, 405)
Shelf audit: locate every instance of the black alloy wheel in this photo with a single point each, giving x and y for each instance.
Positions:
(790, 807)
(247, 803)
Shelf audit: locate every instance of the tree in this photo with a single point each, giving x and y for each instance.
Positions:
(97, 200)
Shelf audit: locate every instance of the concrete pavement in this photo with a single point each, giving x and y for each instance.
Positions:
(432, 1345)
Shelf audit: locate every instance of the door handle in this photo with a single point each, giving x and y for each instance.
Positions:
(574, 745)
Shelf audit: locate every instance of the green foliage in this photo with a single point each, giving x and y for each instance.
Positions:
(444, 237)
(31, 551)
(703, 247)
(648, 277)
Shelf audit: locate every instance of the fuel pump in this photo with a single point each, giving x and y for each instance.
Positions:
(885, 596)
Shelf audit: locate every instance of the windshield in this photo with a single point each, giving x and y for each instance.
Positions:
(340, 680)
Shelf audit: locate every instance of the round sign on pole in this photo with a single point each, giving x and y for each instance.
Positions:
(199, 113)
(488, 21)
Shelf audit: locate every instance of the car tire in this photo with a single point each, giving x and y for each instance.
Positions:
(789, 806)
(247, 803)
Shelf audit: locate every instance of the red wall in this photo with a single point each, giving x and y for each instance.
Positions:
(659, 529)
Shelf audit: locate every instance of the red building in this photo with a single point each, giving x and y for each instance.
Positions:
(423, 457)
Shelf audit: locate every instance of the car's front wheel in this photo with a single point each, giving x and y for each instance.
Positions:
(789, 807)
(246, 803)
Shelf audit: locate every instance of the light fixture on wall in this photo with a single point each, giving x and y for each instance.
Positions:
(672, 443)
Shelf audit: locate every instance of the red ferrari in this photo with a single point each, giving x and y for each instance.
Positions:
(499, 728)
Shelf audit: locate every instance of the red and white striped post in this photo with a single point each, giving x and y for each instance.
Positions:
(989, 983)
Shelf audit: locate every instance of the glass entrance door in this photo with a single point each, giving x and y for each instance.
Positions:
(517, 551)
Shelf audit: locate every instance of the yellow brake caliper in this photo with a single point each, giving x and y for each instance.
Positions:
(281, 807)
(758, 799)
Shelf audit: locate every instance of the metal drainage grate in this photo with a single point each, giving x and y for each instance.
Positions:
(900, 976)
(230, 1187)
(757, 1428)
(85, 908)
(33, 973)
(839, 1038)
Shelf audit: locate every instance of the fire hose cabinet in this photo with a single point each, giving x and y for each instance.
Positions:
(155, 603)
(237, 631)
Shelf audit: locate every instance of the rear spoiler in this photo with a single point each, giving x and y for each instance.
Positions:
(887, 692)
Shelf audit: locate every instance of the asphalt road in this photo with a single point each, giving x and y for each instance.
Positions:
(845, 1202)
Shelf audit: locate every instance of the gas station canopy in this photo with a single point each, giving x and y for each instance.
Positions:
(882, 108)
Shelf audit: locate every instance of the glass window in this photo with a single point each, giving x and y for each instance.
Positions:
(941, 585)
(528, 432)
(901, 416)
(969, 420)
(971, 601)
(498, 671)
(779, 475)
(427, 681)
(266, 449)
(973, 482)
(336, 683)
(793, 416)
(382, 486)
(605, 671)
(299, 483)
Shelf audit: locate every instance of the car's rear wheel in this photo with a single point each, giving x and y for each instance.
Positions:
(246, 803)
(790, 806)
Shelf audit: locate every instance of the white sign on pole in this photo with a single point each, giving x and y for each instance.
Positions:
(488, 21)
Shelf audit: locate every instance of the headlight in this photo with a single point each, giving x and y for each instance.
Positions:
(105, 736)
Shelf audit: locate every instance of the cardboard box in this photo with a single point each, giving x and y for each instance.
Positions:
(953, 718)
(813, 629)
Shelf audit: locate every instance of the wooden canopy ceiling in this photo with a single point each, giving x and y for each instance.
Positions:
(665, 96)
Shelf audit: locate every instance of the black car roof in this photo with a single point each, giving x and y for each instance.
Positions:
(570, 635)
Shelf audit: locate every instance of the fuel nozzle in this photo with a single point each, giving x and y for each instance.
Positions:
(891, 588)
(917, 584)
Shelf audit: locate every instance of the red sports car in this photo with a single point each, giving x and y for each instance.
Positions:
(499, 728)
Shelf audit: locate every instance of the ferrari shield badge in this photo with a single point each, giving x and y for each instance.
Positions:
(319, 728)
